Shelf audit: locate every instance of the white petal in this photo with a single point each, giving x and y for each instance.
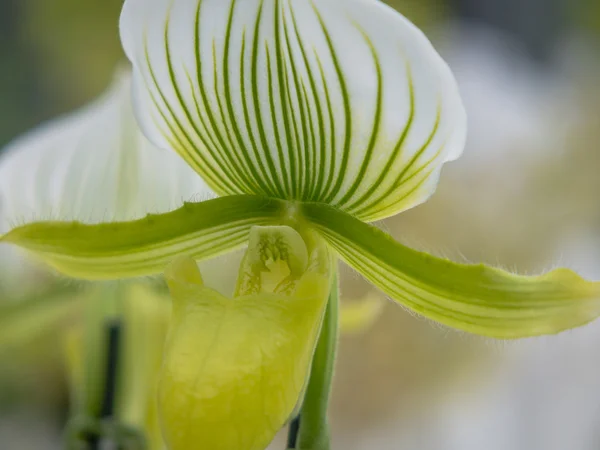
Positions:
(336, 101)
(92, 166)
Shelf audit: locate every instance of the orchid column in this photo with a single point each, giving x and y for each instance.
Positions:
(309, 119)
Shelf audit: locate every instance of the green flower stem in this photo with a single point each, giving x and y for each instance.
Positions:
(314, 432)
(95, 400)
(103, 308)
(292, 437)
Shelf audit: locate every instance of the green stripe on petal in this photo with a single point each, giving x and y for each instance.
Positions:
(146, 246)
(474, 298)
(340, 102)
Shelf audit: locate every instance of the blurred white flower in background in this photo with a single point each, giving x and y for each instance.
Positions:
(91, 166)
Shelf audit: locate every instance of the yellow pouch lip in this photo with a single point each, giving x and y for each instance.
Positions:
(235, 369)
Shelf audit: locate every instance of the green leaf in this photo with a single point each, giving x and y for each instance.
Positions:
(146, 246)
(474, 298)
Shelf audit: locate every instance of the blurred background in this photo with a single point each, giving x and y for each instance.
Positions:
(524, 197)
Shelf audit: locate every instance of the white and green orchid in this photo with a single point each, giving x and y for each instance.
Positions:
(103, 136)
(321, 115)
(308, 119)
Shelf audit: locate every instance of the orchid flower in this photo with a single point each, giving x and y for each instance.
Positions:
(324, 115)
(105, 136)
(309, 119)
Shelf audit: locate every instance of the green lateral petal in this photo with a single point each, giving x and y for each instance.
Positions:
(146, 246)
(342, 102)
(235, 369)
(92, 166)
(475, 298)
